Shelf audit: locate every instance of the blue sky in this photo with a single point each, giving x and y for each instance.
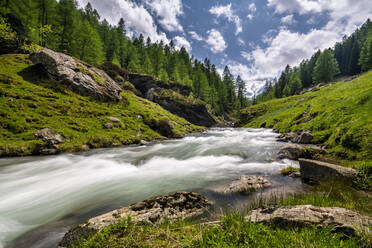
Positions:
(255, 38)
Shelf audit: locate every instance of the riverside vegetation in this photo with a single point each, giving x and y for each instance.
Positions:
(338, 114)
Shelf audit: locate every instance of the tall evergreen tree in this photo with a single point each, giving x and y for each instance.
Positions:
(326, 67)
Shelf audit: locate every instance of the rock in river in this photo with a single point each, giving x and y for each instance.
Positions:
(313, 171)
(174, 206)
(344, 221)
(245, 185)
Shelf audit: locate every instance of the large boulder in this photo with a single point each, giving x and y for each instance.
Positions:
(301, 137)
(291, 151)
(313, 171)
(79, 77)
(245, 185)
(342, 220)
(155, 210)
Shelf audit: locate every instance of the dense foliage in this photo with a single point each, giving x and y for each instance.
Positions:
(61, 26)
(350, 57)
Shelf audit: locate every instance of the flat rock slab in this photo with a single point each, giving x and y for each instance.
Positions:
(313, 171)
(77, 76)
(179, 205)
(343, 220)
(245, 185)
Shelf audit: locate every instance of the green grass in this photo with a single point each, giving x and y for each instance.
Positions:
(28, 104)
(233, 231)
(289, 170)
(339, 115)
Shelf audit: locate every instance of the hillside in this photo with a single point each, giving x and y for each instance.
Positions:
(339, 116)
(29, 104)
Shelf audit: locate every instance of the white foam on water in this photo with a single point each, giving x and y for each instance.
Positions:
(42, 190)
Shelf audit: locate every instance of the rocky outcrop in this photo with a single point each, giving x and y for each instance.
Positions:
(77, 76)
(173, 97)
(342, 220)
(245, 185)
(301, 137)
(171, 207)
(312, 89)
(291, 151)
(313, 171)
(51, 138)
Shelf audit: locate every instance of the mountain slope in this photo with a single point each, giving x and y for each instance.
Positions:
(339, 115)
(27, 104)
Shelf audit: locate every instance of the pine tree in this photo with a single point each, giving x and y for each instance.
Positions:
(326, 67)
(88, 44)
(365, 60)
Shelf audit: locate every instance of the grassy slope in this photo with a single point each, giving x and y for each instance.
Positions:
(339, 115)
(28, 105)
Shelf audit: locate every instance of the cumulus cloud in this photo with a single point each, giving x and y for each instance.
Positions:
(288, 19)
(195, 36)
(182, 42)
(168, 10)
(227, 12)
(283, 46)
(137, 19)
(216, 41)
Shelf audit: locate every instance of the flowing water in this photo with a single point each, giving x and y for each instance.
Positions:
(42, 197)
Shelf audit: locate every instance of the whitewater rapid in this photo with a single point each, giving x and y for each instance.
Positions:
(41, 197)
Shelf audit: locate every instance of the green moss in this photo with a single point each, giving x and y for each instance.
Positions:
(289, 170)
(28, 104)
(339, 115)
(97, 78)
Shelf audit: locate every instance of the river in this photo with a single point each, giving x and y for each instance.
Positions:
(42, 197)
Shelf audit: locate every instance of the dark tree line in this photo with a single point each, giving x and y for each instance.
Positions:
(62, 26)
(349, 57)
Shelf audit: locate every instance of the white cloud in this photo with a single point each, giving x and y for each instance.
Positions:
(288, 19)
(216, 41)
(284, 46)
(250, 16)
(227, 12)
(168, 10)
(252, 7)
(137, 19)
(195, 36)
(248, 56)
(299, 6)
(182, 42)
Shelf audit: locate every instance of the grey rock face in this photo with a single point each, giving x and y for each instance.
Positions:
(50, 136)
(154, 210)
(291, 151)
(313, 171)
(77, 76)
(52, 139)
(304, 137)
(245, 185)
(344, 221)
